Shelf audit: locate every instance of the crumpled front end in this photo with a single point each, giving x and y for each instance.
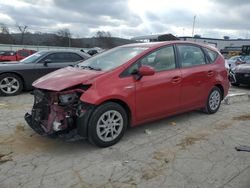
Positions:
(55, 112)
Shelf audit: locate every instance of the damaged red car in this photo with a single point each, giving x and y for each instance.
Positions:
(127, 86)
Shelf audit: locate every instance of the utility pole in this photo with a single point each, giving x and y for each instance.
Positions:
(69, 41)
(193, 26)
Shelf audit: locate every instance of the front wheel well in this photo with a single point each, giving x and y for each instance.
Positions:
(122, 104)
(16, 75)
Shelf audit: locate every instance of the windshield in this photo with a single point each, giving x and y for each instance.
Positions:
(32, 58)
(112, 58)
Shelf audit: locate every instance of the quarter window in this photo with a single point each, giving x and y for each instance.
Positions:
(191, 55)
(212, 54)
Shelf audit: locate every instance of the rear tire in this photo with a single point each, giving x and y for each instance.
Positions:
(213, 101)
(107, 124)
(10, 84)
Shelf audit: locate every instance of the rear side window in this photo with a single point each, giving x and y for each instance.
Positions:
(57, 57)
(62, 57)
(211, 54)
(191, 55)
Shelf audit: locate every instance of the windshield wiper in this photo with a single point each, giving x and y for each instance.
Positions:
(91, 68)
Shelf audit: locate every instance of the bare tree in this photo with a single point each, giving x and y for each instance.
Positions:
(66, 35)
(6, 36)
(4, 29)
(103, 34)
(23, 29)
(104, 39)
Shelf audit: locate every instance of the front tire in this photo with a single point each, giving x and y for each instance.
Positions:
(213, 101)
(107, 124)
(10, 84)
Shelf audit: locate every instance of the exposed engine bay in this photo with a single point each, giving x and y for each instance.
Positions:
(56, 112)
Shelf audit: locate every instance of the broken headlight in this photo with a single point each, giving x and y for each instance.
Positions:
(66, 99)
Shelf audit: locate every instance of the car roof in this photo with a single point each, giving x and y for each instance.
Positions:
(60, 50)
(164, 43)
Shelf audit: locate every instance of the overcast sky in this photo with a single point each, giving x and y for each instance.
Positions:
(129, 18)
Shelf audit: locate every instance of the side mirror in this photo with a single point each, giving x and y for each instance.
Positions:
(143, 71)
(45, 63)
(146, 71)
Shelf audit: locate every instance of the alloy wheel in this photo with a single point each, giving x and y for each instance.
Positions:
(214, 100)
(109, 125)
(9, 85)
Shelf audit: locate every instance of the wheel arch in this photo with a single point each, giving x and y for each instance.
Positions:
(17, 74)
(221, 89)
(122, 104)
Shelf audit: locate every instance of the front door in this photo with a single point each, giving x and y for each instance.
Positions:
(159, 94)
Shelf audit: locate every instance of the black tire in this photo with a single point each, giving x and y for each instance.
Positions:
(19, 84)
(235, 84)
(208, 108)
(97, 114)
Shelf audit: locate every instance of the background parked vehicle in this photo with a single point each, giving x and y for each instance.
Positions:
(92, 52)
(15, 56)
(127, 86)
(240, 74)
(6, 55)
(231, 61)
(14, 77)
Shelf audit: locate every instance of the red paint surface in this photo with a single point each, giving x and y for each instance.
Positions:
(160, 95)
(17, 56)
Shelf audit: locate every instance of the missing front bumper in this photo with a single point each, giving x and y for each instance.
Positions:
(34, 124)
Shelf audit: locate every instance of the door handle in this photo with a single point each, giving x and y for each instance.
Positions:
(176, 79)
(210, 73)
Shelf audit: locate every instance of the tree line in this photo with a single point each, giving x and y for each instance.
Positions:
(62, 37)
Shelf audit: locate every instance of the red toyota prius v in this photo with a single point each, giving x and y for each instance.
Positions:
(127, 86)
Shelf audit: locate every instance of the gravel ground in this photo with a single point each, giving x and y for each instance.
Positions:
(188, 150)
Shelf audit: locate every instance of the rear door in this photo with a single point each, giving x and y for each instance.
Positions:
(159, 94)
(196, 75)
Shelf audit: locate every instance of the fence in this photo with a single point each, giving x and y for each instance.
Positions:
(12, 47)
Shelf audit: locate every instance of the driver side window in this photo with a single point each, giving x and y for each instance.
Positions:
(161, 60)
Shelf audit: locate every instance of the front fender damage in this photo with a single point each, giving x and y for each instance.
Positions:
(59, 113)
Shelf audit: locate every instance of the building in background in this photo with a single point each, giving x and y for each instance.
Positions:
(227, 46)
(155, 38)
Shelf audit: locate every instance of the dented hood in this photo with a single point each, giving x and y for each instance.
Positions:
(65, 78)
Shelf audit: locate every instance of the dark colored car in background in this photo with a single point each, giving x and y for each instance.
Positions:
(15, 56)
(231, 61)
(16, 76)
(240, 74)
(92, 52)
(128, 86)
